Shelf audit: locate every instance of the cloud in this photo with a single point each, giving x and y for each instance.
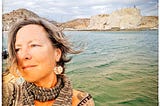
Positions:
(80, 16)
(151, 10)
(99, 7)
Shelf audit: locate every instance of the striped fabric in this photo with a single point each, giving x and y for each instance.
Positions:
(14, 94)
(62, 93)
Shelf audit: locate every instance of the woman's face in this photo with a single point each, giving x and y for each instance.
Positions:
(35, 54)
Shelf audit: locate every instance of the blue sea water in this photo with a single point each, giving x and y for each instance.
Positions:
(116, 68)
(105, 48)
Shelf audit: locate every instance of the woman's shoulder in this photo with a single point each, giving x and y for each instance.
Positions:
(81, 98)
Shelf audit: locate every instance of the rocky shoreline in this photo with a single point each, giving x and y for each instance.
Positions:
(140, 29)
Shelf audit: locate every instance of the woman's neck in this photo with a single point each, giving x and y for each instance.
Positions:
(47, 82)
(48, 103)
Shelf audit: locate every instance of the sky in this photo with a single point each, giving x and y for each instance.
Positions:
(66, 10)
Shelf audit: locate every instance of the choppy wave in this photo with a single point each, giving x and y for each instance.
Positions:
(118, 68)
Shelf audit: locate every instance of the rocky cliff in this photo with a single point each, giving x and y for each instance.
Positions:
(9, 18)
(98, 21)
(127, 18)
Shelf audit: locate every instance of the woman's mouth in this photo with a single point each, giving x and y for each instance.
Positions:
(28, 67)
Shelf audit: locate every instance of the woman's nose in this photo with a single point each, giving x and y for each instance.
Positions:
(26, 54)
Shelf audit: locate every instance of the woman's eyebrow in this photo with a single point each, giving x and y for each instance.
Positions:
(20, 44)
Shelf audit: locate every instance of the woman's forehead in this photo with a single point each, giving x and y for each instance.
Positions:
(32, 27)
(31, 32)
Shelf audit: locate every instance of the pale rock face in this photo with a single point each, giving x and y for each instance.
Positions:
(98, 21)
(127, 18)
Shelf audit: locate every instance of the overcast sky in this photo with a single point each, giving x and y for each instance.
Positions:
(65, 10)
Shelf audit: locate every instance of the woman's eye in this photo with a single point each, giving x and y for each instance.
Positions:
(17, 49)
(35, 45)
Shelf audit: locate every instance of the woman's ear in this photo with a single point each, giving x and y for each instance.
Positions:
(58, 54)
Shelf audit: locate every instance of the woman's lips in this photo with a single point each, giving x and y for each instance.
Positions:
(28, 67)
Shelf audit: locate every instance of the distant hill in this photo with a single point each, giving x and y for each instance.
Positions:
(149, 22)
(80, 23)
(8, 19)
